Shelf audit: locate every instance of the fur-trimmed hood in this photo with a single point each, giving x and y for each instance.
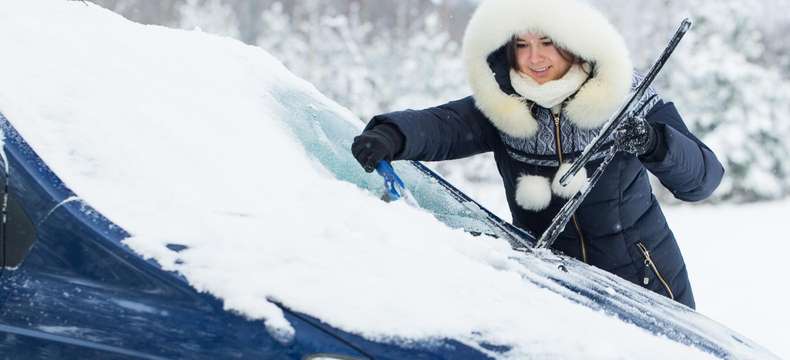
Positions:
(572, 25)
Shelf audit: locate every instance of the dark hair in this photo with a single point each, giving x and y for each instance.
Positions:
(512, 45)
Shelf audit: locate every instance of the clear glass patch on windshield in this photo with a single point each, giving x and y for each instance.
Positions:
(327, 134)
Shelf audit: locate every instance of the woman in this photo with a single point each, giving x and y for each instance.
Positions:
(546, 75)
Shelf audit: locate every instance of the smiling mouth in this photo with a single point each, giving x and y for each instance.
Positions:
(540, 70)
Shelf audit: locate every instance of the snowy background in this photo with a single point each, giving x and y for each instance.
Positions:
(729, 80)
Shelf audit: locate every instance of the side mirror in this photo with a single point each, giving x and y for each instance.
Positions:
(17, 231)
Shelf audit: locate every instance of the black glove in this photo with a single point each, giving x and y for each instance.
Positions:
(381, 142)
(636, 136)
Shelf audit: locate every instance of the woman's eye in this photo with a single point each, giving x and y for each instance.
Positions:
(521, 45)
(548, 43)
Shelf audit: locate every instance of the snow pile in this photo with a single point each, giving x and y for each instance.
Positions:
(182, 138)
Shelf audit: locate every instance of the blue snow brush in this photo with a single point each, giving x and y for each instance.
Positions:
(394, 188)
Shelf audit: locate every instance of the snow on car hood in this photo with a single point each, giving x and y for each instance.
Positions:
(184, 138)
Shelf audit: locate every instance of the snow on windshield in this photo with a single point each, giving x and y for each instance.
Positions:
(183, 138)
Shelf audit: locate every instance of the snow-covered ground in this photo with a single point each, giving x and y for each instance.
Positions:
(182, 137)
(737, 261)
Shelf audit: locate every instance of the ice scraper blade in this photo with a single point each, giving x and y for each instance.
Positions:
(394, 188)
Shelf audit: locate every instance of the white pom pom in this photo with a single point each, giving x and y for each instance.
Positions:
(533, 192)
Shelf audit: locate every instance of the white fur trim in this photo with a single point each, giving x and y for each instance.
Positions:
(508, 113)
(533, 192)
(571, 24)
(573, 186)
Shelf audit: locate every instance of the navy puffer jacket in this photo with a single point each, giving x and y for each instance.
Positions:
(619, 227)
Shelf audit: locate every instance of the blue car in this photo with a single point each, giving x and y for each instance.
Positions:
(71, 289)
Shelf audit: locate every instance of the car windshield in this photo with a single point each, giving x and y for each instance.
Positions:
(327, 137)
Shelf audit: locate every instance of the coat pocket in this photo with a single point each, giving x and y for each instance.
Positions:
(650, 269)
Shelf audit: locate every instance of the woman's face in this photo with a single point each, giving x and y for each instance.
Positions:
(537, 58)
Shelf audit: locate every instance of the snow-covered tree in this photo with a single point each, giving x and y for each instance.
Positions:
(366, 68)
(211, 16)
(733, 103)
(324, 47)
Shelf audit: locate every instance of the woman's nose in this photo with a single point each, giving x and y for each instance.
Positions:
(535, 56)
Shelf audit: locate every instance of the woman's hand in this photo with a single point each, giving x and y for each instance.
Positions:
(382, 142)
(636, 136)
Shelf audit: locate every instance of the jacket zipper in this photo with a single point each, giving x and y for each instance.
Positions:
(558, 135)
(650, 264)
